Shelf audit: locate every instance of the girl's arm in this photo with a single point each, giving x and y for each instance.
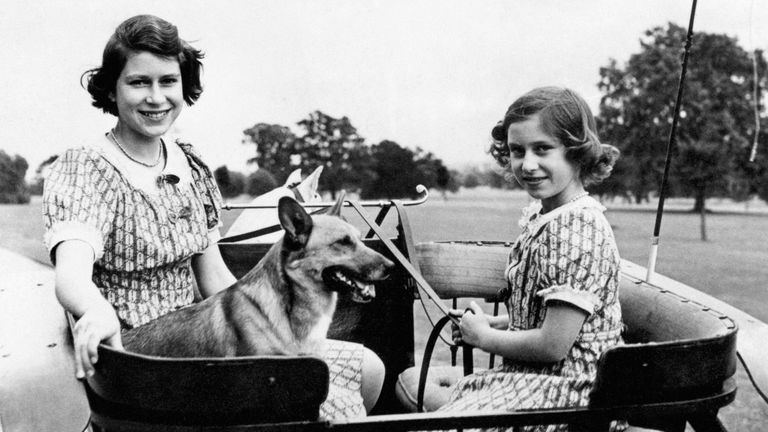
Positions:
(499, 322)
(76, 291)
(211, 272)
(547, 344)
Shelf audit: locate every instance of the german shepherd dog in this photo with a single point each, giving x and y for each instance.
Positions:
(284, 305)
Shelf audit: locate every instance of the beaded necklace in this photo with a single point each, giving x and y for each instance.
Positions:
(112, 136)
(578, 197)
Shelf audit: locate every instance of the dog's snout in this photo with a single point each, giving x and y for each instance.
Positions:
(388, 265)
(384, 267)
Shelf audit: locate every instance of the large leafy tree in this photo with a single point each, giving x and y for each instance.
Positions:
(278, 150)
(398, 170)
(322, 140)
(716, 127)
(335, 144)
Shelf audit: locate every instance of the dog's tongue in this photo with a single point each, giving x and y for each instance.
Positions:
(367, 290)
(364, 292)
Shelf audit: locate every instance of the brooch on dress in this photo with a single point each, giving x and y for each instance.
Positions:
(529, 213)
(167, 178)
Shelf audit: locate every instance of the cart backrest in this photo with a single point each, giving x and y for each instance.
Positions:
(676, 350)
(128, 387)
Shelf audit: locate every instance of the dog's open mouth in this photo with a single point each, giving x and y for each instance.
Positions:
(342, 280)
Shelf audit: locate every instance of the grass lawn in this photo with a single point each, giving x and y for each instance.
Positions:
(731, 265)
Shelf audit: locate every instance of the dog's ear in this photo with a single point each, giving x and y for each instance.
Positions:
(295, 221)
(336, 209)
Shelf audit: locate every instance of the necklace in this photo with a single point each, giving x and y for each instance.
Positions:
(578, 197)
(111, 135)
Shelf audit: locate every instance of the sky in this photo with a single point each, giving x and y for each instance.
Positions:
(435, 74)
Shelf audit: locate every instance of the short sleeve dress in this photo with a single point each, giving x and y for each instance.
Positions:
(144, 230)
(567, 255)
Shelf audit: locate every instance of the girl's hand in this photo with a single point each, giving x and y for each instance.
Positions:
(474, 325)
(455, 332)
(98, 323)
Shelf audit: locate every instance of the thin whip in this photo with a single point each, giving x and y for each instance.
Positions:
(670, 144)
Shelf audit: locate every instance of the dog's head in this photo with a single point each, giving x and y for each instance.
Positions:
(327, 253)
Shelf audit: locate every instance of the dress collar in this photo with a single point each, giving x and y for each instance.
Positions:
(532, 218)
(142, 177)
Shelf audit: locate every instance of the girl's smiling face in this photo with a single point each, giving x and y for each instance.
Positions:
(149, 95)
(539, 164)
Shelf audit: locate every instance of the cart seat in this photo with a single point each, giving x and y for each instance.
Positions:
(131, 392)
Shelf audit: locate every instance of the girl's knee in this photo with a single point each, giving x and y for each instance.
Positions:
(372, 378)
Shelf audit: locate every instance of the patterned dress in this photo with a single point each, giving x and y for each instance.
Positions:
(567, 255)
(144, 231)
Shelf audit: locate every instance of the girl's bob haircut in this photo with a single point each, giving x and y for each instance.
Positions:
(143, 33)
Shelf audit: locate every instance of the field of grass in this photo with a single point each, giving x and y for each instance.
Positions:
(731, 265)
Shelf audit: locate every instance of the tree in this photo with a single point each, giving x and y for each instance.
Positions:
(13, 187)
(36, 188)
(260, 182)
(331, 142)
(231, 183)
(759, 169)
(471, 180)
(432, 172)
(716, 120)
(396, 171)
(278, 150)
(336, 145)
(447, 180)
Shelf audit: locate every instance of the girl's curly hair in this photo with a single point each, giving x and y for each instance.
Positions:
(565, 116)
(143, 33)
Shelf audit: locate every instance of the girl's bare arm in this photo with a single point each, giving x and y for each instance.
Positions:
(211, 272)
(78, 294)
(547, 344)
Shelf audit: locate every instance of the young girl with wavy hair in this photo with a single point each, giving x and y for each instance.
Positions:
(563, 271)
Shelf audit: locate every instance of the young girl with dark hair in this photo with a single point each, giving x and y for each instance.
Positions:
(132, 218)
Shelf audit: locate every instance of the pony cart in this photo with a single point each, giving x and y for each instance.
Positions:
(676, 367)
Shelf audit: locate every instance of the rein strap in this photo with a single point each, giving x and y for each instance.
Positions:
(402, 260)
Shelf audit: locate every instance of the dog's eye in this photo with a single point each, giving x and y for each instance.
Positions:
(344, 241)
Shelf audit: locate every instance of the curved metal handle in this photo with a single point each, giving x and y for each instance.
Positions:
(420, 189)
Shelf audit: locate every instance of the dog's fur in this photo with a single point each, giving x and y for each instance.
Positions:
(284, 305)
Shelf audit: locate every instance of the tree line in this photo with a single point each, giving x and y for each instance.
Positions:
(381, 170)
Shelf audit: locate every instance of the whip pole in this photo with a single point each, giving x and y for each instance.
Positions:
(670, 143)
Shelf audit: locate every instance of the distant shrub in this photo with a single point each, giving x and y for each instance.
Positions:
(231, 183)
(260, 182)
(13, 187)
